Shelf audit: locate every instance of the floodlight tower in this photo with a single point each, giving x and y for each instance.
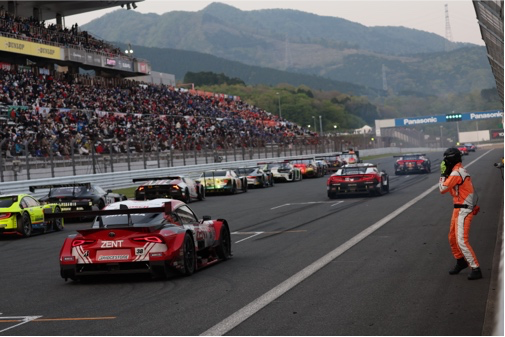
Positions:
(448, 33)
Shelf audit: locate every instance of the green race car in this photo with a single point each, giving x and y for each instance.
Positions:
(22, 214)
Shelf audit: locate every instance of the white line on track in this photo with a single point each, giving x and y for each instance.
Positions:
(23, 319)
(302, 203)
(249, 237)
(241, 315)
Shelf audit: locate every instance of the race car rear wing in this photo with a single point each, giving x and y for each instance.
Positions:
(304, 158)
(410, 154)
(156, 178)
(122, 210)
(38, 187)
(329, 155)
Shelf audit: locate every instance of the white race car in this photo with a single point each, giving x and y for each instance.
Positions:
(283, 171)
(176, 187)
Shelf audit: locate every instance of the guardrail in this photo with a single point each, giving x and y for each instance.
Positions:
(117, 180)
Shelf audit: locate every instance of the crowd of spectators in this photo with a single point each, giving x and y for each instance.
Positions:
(30, 29)
(71, 114)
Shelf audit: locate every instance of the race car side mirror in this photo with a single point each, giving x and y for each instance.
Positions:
(206, 218)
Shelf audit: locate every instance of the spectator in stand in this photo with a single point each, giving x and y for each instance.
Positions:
(154, 115)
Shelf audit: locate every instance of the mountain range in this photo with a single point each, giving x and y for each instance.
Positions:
(273, 46)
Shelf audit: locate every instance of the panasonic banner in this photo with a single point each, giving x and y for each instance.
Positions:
(465, 116)
(411, 121)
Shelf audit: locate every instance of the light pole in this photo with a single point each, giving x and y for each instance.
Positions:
(129, 50)
(457, 130)
(315, 127)
(280, 112)
(321, 125)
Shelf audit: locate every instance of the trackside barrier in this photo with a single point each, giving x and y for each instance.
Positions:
(117, 180)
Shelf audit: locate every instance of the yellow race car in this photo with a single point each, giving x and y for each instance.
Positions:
(22, 214)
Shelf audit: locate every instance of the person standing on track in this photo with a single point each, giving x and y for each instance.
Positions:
(456, 180)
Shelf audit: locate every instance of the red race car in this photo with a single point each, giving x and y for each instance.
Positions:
(412, 163)
(358, 178)
(154, 236)
(463, 149)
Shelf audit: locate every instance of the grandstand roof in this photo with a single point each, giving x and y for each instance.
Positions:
(49, 9)
(490, 16)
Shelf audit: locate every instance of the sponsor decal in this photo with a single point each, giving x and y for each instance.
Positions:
(113, 254)
(112, 244)
(495, 114)
(496, 134)
(14, 45)
(408, 121)
(110, 62)
(46, 51)
(113, 257)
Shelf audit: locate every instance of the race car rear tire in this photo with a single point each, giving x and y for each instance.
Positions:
(101, 204)
(264, 183)
(189, 256)
(378, 191)
(201, 193)
(187, 198)
(332, 195)
(25, 225)
(57, 224)
(224, 249)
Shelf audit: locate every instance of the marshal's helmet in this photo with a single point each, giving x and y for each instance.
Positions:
(452, 156)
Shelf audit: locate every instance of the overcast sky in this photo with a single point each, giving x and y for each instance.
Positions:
(426, 15)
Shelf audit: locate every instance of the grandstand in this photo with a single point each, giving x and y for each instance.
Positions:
(50, 108)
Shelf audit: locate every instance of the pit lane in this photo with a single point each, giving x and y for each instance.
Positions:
(393, 282)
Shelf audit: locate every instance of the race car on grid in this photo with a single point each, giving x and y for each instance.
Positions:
(178, 187)
(22, 214)
(256, 176)
(412, 163)
(333, 161)
(463, 149)
(78, 196)
(356, 179)
(308, 167)
(160, 237)
(223, 181)
(283, 171)
(349, 157)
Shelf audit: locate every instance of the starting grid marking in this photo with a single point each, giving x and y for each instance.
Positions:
(17, 319)
(308, 203)
(20, 320)
(253, 234)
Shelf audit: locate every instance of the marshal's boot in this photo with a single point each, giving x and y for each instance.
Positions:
(475, 274)
(460, 265)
